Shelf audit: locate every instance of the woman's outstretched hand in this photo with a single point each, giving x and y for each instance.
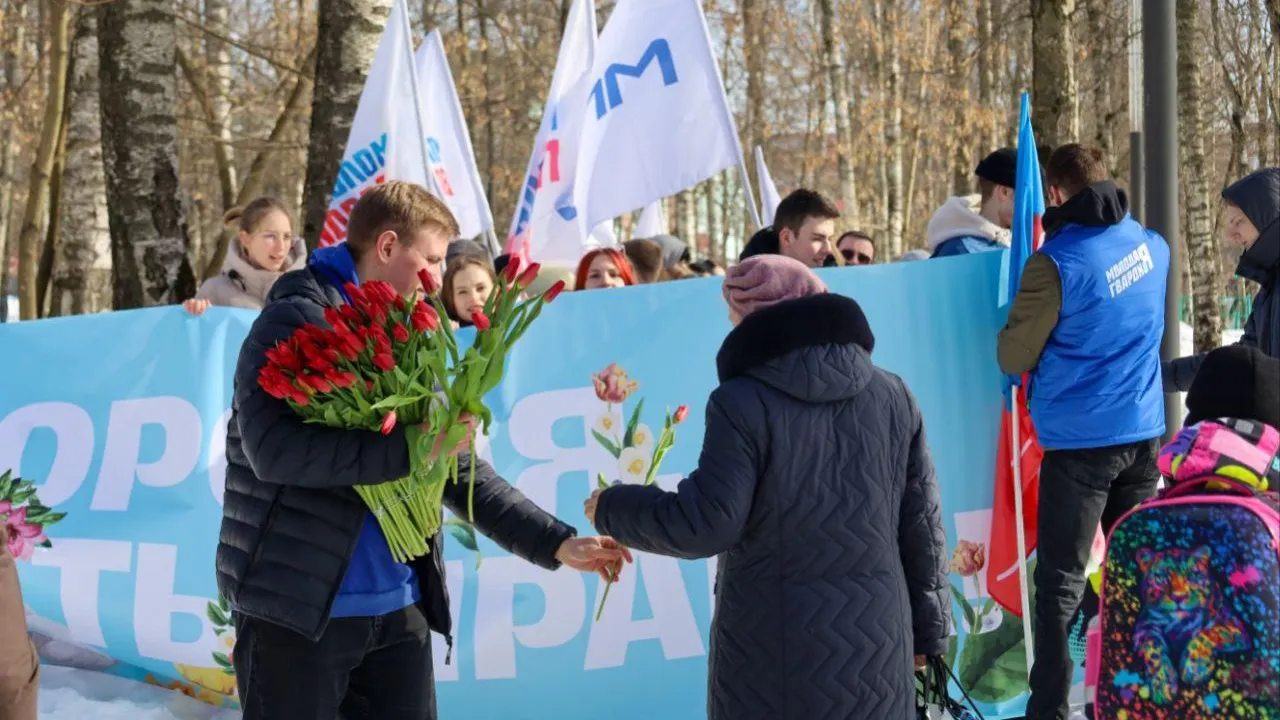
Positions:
(601, 555)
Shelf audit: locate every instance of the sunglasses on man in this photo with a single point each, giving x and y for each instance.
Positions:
(852, 257)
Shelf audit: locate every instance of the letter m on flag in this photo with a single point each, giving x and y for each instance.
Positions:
(606, 93)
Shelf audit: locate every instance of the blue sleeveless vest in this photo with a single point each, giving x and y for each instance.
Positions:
(1098, 380)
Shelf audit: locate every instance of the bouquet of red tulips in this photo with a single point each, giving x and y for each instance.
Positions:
(384, 360)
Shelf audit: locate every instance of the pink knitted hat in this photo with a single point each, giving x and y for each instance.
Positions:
(764, 280)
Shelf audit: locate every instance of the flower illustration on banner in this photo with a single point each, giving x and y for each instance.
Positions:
(991, 663)
(219, 614)
(24, 517)
(638, 453)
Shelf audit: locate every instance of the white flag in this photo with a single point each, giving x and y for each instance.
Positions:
(384, 143)
(652, 222)
(545, 177)
(769, 197)
(456, 179)
(656, 119)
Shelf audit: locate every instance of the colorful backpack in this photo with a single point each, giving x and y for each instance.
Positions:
(1190, 607)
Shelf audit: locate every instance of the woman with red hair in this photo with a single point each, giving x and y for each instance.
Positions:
(604, 268)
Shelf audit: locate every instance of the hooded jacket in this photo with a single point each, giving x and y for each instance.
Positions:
(816, 491)
(957, 228)
(674, 250)
(241, 284)
(1258, 196)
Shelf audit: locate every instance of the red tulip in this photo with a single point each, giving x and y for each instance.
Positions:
(528, 276)
(384, 361)
(553, 292)
(429, 284)
(333, 317)
(400, 333)
(351, 315)
(682, 412)
(316, 382)
(355, 293)
(480, 320)
(425, 318)
(389, 423)
(300, 398)
(368, 385)
(343, 379)
(380, 291)
(512, 270)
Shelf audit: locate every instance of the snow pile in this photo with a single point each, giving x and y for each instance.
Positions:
(67, 694)
(1187, 341)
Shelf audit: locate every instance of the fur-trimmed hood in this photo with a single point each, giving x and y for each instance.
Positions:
(815, 349)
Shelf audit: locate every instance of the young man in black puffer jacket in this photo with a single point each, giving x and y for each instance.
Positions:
(326, 621)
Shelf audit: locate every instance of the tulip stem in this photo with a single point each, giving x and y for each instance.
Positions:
(613, 575)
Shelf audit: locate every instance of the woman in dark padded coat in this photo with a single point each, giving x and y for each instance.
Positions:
(816, 490)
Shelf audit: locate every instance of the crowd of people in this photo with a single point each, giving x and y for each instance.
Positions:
(814, 487)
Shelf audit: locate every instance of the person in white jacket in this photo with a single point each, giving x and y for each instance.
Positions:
(978, 223)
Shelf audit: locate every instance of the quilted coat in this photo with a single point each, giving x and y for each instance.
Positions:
(290, 518)
(816, 491)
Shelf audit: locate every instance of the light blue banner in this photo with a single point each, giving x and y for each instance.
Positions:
(119, 419)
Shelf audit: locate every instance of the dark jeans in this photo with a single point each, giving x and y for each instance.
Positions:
(371, 668)
(1078, 489)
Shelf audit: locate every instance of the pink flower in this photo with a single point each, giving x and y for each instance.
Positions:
(22, 537)
(612, 385)
(4, 506)
(969, 558)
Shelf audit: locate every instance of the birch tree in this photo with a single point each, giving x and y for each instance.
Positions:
(833, 54)
(347, 36)
(1053, 84)
(8, 139)
(29, 242)
(893, 127)
(216, 16)
(1202, 244)
(82, 264)
(137, 57)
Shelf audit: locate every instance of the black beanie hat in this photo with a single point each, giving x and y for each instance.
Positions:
(1000, 167)
(1236, 381)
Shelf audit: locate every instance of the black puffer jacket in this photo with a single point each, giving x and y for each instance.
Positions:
(1258, 196)
(290, 518)
(816, 490)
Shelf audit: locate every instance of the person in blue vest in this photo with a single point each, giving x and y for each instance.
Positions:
(978, 223)
(1086, 325)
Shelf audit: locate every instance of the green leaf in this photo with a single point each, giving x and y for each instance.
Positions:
(223, 661)
(223, 604)
(22, 494)
(331, 416)
(6, 484)
(601, 482)
(632, 424)
(215, 615)
(951, 650)
(969, 615)
(463, 533)
(607, 443)
(52, 518)
(46, 544)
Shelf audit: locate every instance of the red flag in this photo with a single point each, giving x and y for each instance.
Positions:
(1002, 556)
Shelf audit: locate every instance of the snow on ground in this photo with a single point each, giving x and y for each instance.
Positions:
(67, 694)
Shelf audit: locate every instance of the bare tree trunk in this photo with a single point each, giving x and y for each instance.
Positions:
(715, 217)
(82, 267)
(217, 17)
(137, 43)
(893, 129)
(753, 44)
(962, 162)
(486, 67)
(833, 53)
(53, 224)
(1053, 81)
(986, 75)
(1235, 160)
(686, 209)
(12, 48)
(1101, 58)
(1202, 244)
(42, 168)
(347, 36)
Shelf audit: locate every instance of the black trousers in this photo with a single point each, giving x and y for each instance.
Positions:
(370, 668)
(1078, 489)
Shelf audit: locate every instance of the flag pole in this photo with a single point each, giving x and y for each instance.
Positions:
(432, 185)
(1020, 526)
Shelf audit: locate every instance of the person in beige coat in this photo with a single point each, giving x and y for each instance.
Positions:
(264, 249)
(19, 665)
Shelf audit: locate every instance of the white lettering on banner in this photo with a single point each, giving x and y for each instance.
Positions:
(121, 457)
(672, 623)
(439, 648)
(79, 563)
(218, 457)
(532, 419)
(155, 603)
(565, 606)
(74, 431)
